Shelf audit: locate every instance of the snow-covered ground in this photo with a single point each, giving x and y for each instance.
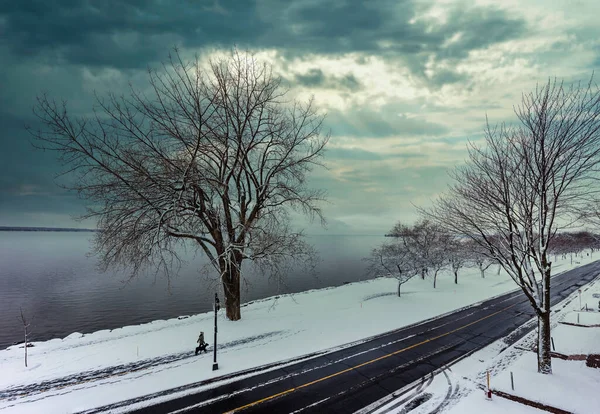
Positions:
(571, 340)
(572, 387)
(85, 371)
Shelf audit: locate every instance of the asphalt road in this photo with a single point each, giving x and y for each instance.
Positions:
(350, 379)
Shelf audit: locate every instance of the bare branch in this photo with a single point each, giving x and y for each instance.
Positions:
(514, 195)
(214, 157)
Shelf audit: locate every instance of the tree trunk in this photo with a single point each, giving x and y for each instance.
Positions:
(26, 347)
(499, 268)
(544, 339)
(456, 277)
(544, 359)
(434, 278)
(482, 271)
(231, 288)
(399, 284)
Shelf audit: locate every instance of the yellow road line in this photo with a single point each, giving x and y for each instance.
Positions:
(81, 382)
(289, 391)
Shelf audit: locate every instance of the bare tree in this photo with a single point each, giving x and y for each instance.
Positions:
(514, 194)
(562, 244)
(427, 243)
(215, 157)
(479, 256)
(573, 242)
(438, 257)
(26, 325)
(458, 256)
(392, 259)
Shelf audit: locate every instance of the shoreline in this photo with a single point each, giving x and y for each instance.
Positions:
(274, 298)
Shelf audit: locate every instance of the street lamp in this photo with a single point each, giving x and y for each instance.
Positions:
(217, 307)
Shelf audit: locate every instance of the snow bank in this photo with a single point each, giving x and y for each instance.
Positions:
(583, 318)
(570, 340)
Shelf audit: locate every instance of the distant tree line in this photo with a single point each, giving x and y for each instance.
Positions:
(426, 248)
(573, 243)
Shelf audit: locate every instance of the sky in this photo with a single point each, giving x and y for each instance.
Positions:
(405, 84)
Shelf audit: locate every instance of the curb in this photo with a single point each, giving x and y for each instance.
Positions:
(530, 403)
(580, 326)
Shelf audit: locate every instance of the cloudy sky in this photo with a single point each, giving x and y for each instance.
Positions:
(405, 83)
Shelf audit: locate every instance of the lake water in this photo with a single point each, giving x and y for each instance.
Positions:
(49, 276)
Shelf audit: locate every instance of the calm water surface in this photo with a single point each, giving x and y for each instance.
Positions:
(49, 276)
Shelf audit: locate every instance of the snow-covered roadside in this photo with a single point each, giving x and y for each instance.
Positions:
(159, 355)
(572, 387)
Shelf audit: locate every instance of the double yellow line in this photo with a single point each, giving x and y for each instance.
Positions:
(308, 384)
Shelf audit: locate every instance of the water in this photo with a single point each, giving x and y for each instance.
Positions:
(50, 277)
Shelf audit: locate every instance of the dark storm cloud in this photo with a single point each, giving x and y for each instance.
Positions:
(60, 47)
(479, 27)
(123, 34)
(316, 78)
(27, 175)
(384, 27)
(135, 33)
(338, 19)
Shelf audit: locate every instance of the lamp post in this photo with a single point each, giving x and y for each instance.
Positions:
(217, 307)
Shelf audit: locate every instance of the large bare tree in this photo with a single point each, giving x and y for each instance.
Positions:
(526, 183)
(212, 154)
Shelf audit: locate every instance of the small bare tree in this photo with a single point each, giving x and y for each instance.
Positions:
(215, 157)
(514, 194)
(26, 325)
(480, 258)
(392, 259)
(438, 256)
(458, 256)
(427, 244)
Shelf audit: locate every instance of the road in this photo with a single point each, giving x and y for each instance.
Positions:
(350, 379)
